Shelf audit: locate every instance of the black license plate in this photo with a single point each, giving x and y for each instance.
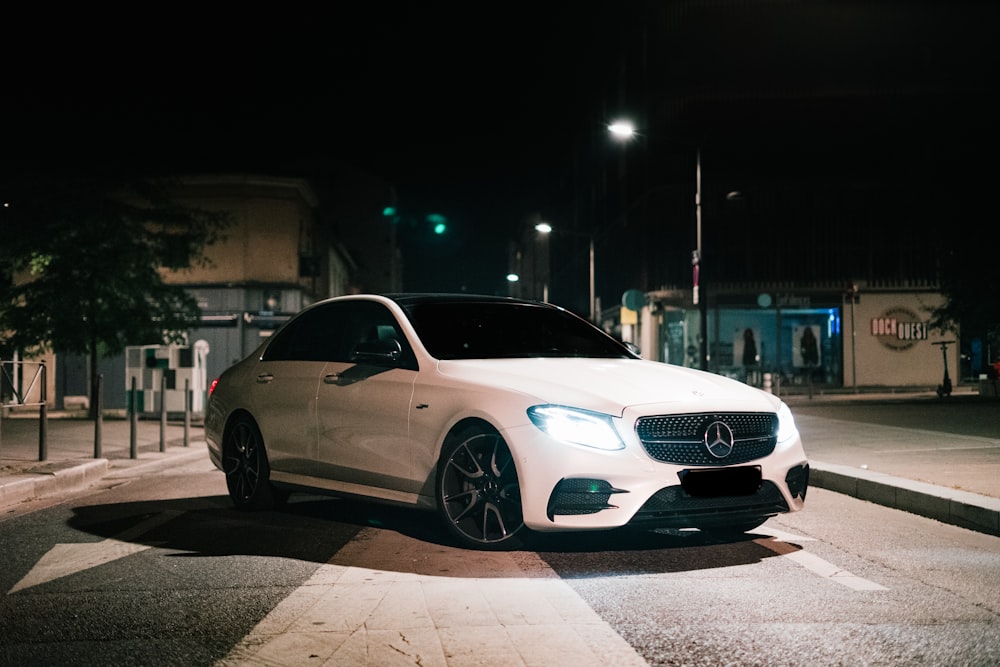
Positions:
(742, 481)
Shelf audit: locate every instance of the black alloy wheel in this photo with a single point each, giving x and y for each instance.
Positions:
(478, 493)
(244, 461)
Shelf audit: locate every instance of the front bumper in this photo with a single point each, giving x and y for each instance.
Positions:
(566, 487)
(738, 496)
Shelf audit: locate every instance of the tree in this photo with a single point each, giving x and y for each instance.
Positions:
(970, 283)
(84, 260)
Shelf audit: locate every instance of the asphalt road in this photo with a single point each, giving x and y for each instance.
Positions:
(158, 569)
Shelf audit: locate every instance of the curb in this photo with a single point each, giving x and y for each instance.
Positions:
(51, 478)
(959, 508)
(153, 461)
(47, 479)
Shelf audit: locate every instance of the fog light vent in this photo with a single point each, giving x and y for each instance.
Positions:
(581, 496)
(797, 480)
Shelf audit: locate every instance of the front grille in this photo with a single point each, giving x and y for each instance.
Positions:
(680, 439)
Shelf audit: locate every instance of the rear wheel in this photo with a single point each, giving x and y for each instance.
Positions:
(244, 460)
(478, 493)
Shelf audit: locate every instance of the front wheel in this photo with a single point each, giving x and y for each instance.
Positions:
(478, 493)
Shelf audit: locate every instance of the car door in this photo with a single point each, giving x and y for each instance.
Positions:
(363, 405)
(287, 378)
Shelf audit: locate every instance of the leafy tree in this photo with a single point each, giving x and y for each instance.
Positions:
(970, 282)
(84, 260)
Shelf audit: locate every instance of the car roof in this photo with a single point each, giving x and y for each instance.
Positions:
(412, 298)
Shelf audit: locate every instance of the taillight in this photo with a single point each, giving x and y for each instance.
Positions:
(211, 387)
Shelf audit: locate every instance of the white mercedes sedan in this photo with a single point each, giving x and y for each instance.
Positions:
(504, 416)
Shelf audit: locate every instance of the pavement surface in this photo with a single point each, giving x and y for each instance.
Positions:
(373, 603)
(951, 478)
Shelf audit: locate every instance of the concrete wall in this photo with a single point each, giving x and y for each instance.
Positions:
(892, 344)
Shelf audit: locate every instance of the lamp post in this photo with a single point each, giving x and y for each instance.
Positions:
(852, 294)
(624, 131)
(546, 228)
(698, 296)
(698, 292)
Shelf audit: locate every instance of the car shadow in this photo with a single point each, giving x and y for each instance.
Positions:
(637, 552)
(314, 528)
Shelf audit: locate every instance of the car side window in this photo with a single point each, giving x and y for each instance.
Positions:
(331, 332)
(368, 322)
(309, 336)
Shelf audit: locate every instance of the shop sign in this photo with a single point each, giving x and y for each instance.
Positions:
(899, 329)
(793, 301)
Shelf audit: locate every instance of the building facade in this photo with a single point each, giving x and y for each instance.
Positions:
(801, 337)
(273, 260)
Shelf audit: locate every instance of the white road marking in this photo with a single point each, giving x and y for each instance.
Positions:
(814, 563)
(381, 601)
(832, 572)
(782, 535)
(65, 559)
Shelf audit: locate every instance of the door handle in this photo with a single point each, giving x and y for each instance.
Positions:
(331, 378)
(264, 378)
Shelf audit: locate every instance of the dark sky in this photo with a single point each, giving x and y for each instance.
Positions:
(477, 109)
(418, 90)
(461, 106)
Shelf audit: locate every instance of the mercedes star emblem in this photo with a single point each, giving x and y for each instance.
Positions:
(719, 439)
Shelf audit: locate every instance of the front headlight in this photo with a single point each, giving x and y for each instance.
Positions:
(786, 424)
(579, 427)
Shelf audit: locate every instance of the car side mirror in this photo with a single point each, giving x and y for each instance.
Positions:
(386, 351)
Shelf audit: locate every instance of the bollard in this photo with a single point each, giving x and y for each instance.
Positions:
(43, 420)
(187, 412)
(98, 415)
(133, 425)
(767, 382)
(163, 412)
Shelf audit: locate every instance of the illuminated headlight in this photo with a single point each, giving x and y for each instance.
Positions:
(579, 427)
(786, 424)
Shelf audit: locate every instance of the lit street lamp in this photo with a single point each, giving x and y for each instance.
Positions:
(622, 130)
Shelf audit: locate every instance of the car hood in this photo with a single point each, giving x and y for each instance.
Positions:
(612, 385)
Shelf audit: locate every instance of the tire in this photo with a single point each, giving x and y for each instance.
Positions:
(478, 493)
(244, 460)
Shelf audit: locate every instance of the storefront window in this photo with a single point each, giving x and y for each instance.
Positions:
(800, 345)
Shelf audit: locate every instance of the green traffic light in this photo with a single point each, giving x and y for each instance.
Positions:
(389, 211)
(439, 222)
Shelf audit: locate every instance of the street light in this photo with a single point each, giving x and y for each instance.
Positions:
(697, 296)
(622, 130)
(546, 228)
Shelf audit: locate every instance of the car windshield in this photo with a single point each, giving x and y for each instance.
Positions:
(499, 330)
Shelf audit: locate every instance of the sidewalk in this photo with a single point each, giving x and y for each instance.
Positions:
(70, 461)
(886, 465)
(949, 477)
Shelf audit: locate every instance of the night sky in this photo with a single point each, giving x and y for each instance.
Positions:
(482, 111)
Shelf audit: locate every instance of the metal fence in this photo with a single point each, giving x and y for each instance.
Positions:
(24, 384)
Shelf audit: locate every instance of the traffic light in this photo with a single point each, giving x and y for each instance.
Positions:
(439, 224)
